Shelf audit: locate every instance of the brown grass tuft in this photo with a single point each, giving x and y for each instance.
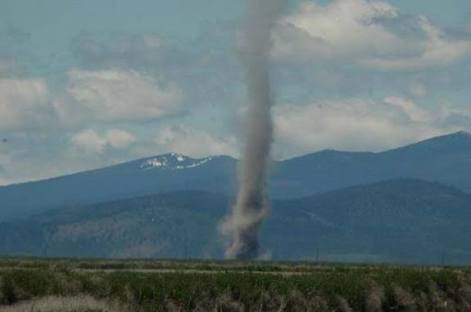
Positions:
(375, 298)
(343, 305)
(405, 301)
(63, 304)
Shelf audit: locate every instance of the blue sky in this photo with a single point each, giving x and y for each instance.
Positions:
(85, 84)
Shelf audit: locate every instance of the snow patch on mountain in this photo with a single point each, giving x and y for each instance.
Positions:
(173, 161)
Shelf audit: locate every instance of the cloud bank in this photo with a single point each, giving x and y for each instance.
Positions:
(360, 124)
(367, 33)
(117, 95)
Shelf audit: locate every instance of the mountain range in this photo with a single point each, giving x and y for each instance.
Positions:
(407, 221)
(408, 205)
(445, 159)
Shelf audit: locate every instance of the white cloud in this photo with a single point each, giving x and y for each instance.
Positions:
(355, 124)
(194, 142)
(438, 50)
(91, 96)
(91, 142)
(413, 112)
(117, 95)
(364, 32)
(24, 104)
(119, 139)
(340, 29)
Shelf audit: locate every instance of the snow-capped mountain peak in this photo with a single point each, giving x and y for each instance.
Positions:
(172, 161)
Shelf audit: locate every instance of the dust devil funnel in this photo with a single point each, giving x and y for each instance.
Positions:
(251, 206)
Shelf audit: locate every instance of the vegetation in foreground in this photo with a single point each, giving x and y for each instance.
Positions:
(66, 285)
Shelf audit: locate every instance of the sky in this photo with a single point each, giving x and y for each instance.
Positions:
(86, 84)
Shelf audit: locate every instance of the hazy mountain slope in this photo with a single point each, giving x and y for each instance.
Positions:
(400, 220)
(158, 225)
(407, 220)
(445, 159)
(153, 175)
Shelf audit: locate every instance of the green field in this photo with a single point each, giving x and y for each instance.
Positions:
(145, 285)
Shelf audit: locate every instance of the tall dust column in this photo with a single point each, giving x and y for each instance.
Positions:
(251, 206)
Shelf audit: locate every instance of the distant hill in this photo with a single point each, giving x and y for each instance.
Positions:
(160, 174)
(403, 220)
(445, 159)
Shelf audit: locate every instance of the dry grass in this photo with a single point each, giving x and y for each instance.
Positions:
(63, 304)
(344, 306)
(374, 300)
(405, 301)
(233, 288)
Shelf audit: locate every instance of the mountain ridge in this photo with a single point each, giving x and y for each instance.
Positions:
(445, 159)
(404, 220)
(458, 134)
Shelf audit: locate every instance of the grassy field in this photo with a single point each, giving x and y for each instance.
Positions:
(137, 285)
